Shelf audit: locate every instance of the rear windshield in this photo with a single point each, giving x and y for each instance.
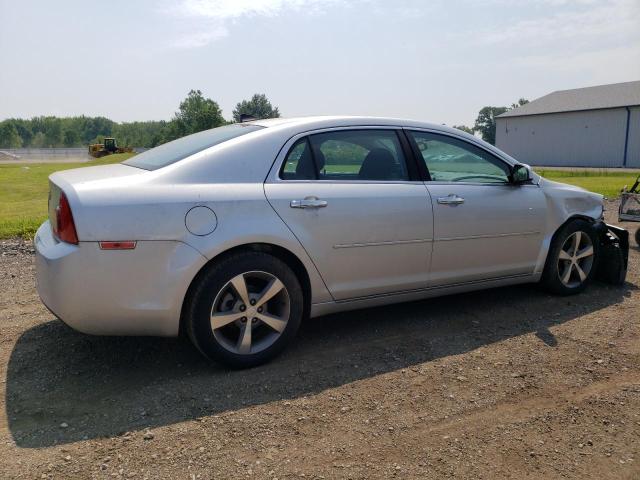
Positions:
(183, 147)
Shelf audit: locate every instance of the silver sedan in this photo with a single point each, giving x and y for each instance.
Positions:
(234, 235)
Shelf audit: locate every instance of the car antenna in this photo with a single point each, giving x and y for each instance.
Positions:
(245, 117)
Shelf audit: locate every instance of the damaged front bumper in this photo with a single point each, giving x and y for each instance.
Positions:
(613, 253)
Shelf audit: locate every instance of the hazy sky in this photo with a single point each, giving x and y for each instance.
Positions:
(438, 60)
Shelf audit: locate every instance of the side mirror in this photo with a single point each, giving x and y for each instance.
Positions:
(520, 174)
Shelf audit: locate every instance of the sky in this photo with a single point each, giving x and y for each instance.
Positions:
(431, 60)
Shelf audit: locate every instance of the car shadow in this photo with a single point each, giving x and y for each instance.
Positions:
(63, 386)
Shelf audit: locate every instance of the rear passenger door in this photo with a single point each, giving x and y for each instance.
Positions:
(358, 207)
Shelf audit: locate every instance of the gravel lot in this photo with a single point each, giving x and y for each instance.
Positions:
(505, 383)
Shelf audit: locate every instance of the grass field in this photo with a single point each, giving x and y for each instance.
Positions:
(24, 189)
(606, 182)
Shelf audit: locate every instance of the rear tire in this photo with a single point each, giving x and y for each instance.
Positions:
(572, 260)
(638, 237)
(245, 309)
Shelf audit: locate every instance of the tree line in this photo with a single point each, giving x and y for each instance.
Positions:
(195, 113)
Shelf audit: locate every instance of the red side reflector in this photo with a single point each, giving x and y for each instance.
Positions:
(125, 245)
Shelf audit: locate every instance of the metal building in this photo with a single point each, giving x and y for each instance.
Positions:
(586, 127)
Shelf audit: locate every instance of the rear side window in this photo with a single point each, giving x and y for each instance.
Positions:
(183, 147)
(347, 155)
(299, 163)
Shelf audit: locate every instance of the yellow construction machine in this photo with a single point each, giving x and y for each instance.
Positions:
(109, 146)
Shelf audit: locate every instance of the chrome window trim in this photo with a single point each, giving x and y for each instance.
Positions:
(479, 184)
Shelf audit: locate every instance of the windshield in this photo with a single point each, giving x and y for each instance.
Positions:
(183, 147)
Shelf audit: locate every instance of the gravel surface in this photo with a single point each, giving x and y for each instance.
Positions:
(504, 383)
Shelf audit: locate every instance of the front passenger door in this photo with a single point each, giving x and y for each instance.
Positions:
(484, 226)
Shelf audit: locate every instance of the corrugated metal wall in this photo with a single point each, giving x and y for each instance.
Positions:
(592, 138)
(633, 149)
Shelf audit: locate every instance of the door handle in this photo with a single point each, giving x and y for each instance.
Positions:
(451, 199)
(309, 202)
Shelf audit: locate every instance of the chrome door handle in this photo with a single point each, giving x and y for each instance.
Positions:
(308, 203)
(451, 199)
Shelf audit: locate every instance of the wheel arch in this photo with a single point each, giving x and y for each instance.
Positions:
(275, 250)
(571, 218)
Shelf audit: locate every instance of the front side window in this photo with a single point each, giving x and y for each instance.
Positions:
(347, 155)
(451, 160)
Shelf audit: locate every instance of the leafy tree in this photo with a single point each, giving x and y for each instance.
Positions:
(71, 138)
(196, 113)
(464, 128)
(521, 102)
(486, 122)
(9, 137)
(24, 130)
(258, 107)
(53, 132)
(38, 140)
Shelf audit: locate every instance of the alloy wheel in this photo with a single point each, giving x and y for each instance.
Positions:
(575, 259)
(250, 312)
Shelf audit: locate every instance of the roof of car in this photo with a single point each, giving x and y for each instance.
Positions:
(309, 124)
(343, 120)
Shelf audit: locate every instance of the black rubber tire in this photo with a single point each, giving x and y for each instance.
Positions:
(638, 237)
(198, 307)
(550, 280)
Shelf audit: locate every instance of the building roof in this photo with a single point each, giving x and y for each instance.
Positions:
(614, 95)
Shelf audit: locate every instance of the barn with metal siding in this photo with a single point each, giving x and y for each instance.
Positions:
(586, 127)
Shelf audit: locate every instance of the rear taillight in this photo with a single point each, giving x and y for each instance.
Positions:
(64, 228)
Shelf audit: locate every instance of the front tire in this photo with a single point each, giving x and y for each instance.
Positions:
(571, 262)
(245, 309)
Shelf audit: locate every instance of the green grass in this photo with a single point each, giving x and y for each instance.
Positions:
(606, 182)
(24, 190)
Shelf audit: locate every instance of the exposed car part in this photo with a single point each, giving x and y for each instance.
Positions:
(614, 254)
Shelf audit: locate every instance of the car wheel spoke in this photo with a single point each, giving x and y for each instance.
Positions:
(219, 320)
(278, 324)
(274, 287)
(244, 341)
(577, 238)
(564, 256)
(585, 252)
(240, 286)
(567, 274)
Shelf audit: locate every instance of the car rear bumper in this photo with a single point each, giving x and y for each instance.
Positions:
(115, 292)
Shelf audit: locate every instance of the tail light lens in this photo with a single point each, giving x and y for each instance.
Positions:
(64, 228)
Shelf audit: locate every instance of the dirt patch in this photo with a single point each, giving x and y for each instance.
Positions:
(504, 383)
